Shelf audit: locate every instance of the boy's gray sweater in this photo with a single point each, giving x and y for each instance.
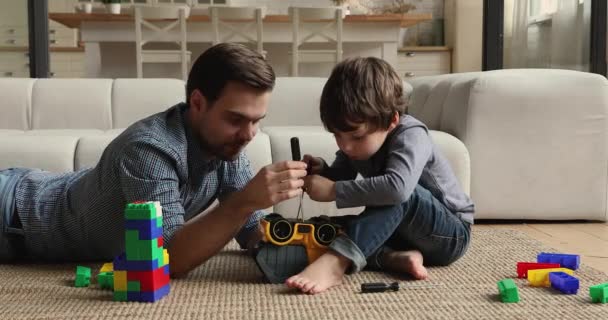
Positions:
(408, 157)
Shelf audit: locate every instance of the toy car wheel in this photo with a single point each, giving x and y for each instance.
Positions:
(281, 230)
(325, 234)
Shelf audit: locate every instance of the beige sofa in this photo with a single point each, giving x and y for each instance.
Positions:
(536, 138)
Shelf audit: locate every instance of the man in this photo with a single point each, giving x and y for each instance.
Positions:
(185, 157)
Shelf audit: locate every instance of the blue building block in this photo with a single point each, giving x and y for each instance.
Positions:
(148, 229)
(564, 282)
(570, 261)
(121, 263)
(148, 296)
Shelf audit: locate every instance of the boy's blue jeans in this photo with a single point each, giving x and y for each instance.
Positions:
(421, 223)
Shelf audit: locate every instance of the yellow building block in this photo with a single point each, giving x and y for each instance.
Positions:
(165, 257)
(107, 267)
(540, 277)
(120, 281)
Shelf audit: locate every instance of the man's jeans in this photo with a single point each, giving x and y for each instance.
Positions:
(421, 223)
(11, 234)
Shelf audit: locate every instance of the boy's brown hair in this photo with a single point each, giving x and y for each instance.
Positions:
(361, 90)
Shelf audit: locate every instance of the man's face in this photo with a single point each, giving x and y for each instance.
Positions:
(227, 126)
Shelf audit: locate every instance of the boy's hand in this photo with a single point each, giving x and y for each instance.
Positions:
(320, 188)
(315, 164)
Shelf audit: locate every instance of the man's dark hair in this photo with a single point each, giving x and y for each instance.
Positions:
(361, 90)
(228, 62)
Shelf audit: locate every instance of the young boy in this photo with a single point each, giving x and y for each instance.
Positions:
(415, 208)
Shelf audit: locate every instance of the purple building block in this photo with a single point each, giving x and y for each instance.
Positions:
(564, 282)
(121, 263)
(147, 228)
(148, 296)
(570, 261)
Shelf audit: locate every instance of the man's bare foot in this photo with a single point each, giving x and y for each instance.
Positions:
(327, 271)
(406, 261)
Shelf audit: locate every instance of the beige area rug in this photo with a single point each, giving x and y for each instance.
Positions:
(229, 287)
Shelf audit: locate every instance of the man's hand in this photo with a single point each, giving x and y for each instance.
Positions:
(315, 164)
(320, 188)
(274, 183)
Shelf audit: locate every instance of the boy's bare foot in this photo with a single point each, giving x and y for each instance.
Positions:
(406, 261)
(326, 272)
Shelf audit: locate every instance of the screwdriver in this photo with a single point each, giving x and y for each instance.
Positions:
(379, 287)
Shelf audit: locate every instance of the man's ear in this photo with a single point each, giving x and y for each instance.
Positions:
(198, 103)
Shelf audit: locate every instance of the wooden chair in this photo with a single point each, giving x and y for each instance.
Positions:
(223, 18)
(153, 23)
(303, 17)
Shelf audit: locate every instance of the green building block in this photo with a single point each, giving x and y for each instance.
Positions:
(120, 296)
(106, 280)
(83, 276)
(508, 291)
(141, 211)
(138, 250)
(133, 286)
(599, 293)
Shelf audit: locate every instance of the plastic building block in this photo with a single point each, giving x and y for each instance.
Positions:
(141, 211)
(540, 277)
(120, 295)
(107, 267)
(138, 249)
(121, 263)
(165, 257)
(599, 293)
(106, 280)
(120, 281)
(523, 267)
(570, 261)
(148, 296)
(149, 280)
(83, 276)
(508, 291)
(132, 286)
(564, 282)
(147, 229)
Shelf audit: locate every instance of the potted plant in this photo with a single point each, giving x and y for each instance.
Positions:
(112, 6)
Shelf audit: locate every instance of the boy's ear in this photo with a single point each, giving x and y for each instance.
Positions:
(394, 121)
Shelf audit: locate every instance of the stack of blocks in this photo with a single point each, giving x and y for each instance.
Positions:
(142, 272)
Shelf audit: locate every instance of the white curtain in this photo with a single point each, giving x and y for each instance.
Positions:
(562, 42)
(570, 31)
(516, 33)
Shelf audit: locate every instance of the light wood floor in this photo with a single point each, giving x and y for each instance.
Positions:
(590, 240)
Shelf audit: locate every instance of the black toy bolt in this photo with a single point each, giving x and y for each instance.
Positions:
(379, 287)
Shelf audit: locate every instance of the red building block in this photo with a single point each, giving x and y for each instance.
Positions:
(523, 267)
(150, 280)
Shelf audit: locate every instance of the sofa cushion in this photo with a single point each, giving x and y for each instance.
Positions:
(64, 132)
(90, 149)
(7, 132)
(50, 153)
(15, 107)
(71, 104)
(135, 99)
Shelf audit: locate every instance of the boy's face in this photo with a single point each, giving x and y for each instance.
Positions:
(363, 142)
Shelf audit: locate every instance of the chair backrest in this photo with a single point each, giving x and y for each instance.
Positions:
(225, 17)
(158, 21)
(300, 16)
